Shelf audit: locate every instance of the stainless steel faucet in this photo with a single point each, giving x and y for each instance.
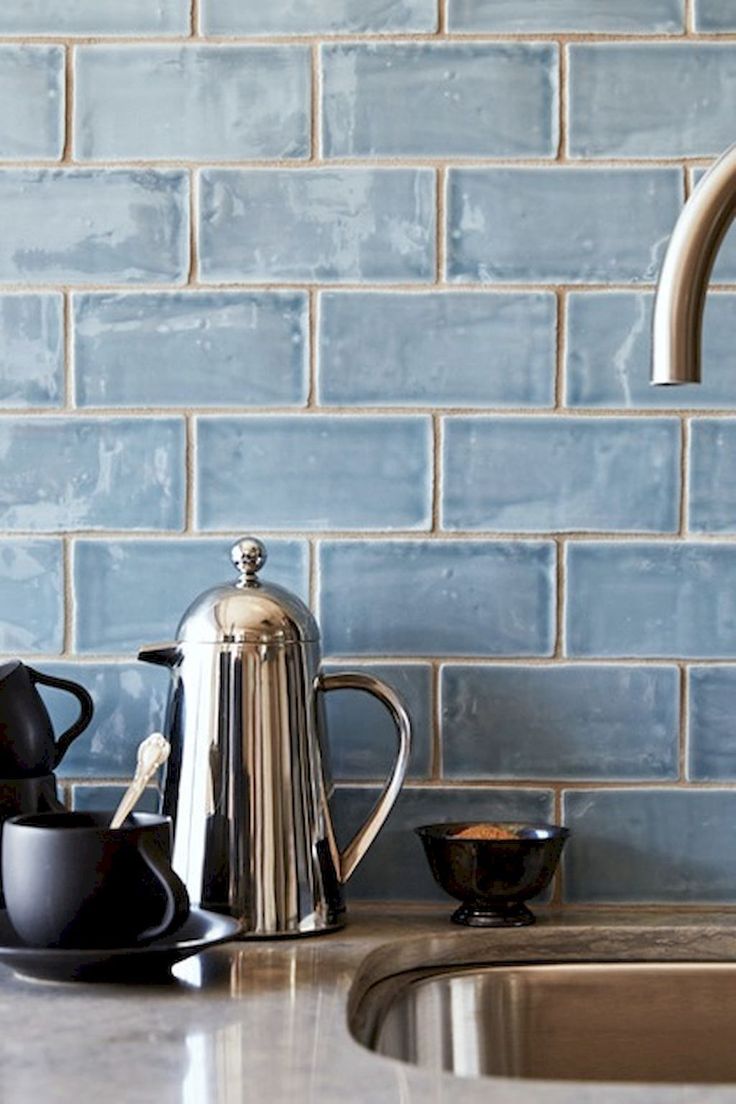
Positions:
(683, 281)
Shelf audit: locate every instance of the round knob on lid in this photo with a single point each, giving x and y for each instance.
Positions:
(249, 556)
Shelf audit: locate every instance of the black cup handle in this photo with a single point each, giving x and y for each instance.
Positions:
(85, 715)
(177, 898)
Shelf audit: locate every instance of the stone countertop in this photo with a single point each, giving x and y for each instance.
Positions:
(267, 1021)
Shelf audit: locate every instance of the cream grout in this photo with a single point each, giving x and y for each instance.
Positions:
(389, 38)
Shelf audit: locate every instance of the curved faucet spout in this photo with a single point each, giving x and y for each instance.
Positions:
(683, 281)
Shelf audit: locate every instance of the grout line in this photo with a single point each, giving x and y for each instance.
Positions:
(314, 576)
(193, 211)
(67, 567)
(684, 703)
(442, 14)
(560, 599)
(479, 413)
(440, 228)
(626, 785)
(436, 765)
(190, 477)
(312, 350)
(315, 140)
(560, 348)
(194, 29)
(436, 486)
(68, 357)
(643, 38)
(67, 151)
(384, 536)
(563, 108)
(690, 19)
(685, 446)
(379, 162)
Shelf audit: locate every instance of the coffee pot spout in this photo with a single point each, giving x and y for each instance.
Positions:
(163, 655)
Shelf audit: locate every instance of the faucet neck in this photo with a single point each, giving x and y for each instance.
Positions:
(683, 281)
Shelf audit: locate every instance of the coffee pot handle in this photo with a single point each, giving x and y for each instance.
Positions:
(85, 714)
(364, 837)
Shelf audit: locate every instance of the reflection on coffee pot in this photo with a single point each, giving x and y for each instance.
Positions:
(27, 745)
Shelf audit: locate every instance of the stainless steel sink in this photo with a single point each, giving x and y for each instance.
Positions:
(618, 1021)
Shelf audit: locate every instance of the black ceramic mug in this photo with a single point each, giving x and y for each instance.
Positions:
(72, 881)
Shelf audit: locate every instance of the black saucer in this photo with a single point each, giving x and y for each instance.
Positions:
(147, 963)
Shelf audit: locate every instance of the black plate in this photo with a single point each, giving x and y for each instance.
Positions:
(150, 962)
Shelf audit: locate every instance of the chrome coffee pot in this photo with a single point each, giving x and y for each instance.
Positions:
(247, 782)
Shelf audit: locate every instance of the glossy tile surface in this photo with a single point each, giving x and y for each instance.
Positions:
(561, 474)
(437, 598)
(321, 472)
(331, 17)
(609, 352)
(31, 596)
(330, 225)
(574, 722)
(436, 349)
(31, 350)
(90, 17)
(75, 473)
(650, 845)
(395, 868)
(93, 226)
(663, 100)
(623, 17)
(712, 499)
(238, 102)
(443, 99)
(560, 224)
(31, 102)
(362, 735)
(129, 701)
(202, 348)
(645, 599)
(711, 736)
(134, 592)
(714, 16)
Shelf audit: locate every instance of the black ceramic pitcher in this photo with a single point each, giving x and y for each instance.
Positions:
(27, 744)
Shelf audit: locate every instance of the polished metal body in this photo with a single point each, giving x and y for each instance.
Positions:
(644, 1022)
(683, 280)
(247, 783)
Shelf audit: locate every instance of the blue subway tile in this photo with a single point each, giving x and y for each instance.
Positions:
(559, 474)
(329, 16)
(574, 722)
(609, 353)
(93, 226)
(31, 350)
(436, 349)
(711, 735)
(395, 868)
(90, 17)
(362, 735)
(438, 597)
(622, 17)
(134, 592)
(31, 102)
(31, 596)
(91, 473)
(712, 500)
(241, 102)
(317, 224)
(655, 846)
(314, 472)
(412, 99)
(102, 799)
(663, 100)
(560, 224)
(646, 599)
(129, 701)
(203, 348)
(715, 16)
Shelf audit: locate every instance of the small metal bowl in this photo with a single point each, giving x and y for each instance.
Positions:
(493, 876)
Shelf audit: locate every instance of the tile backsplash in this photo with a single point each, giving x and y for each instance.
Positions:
(374, 280)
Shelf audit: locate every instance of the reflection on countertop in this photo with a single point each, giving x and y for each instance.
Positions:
(269, 1020)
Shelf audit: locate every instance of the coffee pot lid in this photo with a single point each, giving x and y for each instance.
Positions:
(247, 610)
